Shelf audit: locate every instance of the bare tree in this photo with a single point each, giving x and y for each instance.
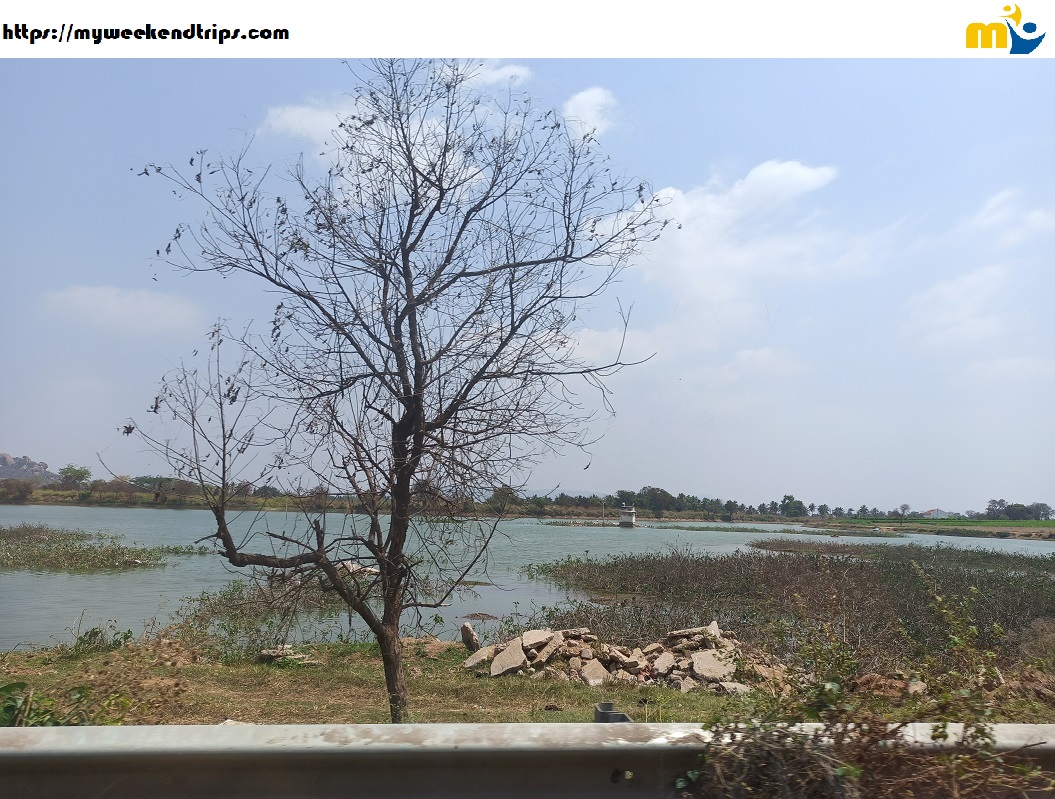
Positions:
(425, 338)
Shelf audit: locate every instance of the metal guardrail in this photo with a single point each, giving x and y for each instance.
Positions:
(412, 760)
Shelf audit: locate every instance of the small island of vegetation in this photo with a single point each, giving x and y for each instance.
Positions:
(38, 547)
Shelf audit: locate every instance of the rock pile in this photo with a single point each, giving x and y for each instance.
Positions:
(696, 658)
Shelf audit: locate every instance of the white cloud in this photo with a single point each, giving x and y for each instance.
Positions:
(313, 121)
(1038, 220)
(1007, 217)
(775, 183)
(494, 72)
(733, 238)
(960, 312)
(317, 118)
(737, 247)
(997, 210)
(592, 109)
(118, 310)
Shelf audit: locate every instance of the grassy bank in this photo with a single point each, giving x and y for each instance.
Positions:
(164, 682)
(38, 547)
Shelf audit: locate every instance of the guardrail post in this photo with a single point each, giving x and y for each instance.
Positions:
(604, 713)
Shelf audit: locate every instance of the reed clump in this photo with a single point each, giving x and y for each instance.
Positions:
(878, 598)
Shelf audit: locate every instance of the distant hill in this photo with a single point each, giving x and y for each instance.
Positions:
(25, 469)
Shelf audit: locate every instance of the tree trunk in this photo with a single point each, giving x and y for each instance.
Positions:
(392, 658)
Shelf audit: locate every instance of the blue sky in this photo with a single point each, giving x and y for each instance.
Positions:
(855, 310)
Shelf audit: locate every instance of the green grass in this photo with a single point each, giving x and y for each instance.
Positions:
(784, 531)
(36, 547)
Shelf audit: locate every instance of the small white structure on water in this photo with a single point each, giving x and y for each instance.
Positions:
(627, 516)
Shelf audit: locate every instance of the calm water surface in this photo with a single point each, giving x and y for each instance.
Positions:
(41, 608)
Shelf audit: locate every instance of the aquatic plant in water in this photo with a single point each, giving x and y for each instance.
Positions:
(38, 547)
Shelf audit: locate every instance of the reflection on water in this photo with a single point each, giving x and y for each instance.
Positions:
(42, 608)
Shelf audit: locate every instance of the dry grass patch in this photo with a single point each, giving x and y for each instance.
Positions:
(170, 684)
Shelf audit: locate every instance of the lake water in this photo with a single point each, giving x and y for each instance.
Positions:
(42, 608)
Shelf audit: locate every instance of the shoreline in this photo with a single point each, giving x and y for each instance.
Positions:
(969, 528)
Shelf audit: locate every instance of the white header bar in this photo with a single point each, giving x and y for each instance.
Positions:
(536, 29)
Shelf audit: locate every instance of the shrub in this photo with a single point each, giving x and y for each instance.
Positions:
(95, 640)
(21, 706)
(13, 491)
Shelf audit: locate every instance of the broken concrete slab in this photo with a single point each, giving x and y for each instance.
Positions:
(709, 666)
(510, 659)
(594, 673)
(548, 650)
(481, 655)
(663, 664)
(535, 639)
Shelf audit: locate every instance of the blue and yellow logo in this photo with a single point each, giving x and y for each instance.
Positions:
(996, 34)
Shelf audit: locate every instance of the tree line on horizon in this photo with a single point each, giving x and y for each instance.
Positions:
(658, 501)
(651, 500)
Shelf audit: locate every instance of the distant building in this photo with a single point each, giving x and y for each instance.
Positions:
(627, 516)
(934, 513)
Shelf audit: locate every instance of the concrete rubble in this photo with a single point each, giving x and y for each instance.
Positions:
(700, 658)
(470, 638)
(284, 655)
(511, 658)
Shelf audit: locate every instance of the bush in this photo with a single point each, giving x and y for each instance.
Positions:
(21, 706)
(14, 491)
(95, 640)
